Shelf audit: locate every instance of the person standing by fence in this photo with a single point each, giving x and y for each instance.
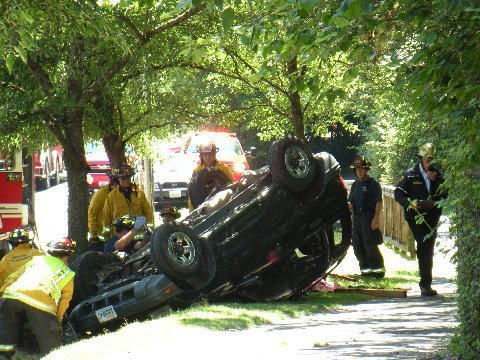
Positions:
(419, 192)
(365, 201)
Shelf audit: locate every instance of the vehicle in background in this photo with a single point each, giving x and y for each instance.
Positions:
(48, 166)
(229, 150)
(99, 164)
(17, 184)
(171, 179)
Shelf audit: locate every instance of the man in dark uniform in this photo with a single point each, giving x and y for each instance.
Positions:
(418, 193)
(365, 201)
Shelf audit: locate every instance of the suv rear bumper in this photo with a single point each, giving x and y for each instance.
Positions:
(131, 299)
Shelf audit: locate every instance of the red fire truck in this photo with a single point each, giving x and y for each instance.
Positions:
(17, 192)
(48, 166)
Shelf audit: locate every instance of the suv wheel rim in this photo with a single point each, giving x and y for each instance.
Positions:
(181, 249)
(297, 162)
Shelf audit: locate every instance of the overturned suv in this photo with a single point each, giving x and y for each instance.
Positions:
(268, 237)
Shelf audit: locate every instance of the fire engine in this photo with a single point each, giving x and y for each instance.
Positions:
(229, 150)
(48, 166)
(17, 184)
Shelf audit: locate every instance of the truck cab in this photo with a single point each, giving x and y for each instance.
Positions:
(48, 166)
(17, 182)
(99, 167)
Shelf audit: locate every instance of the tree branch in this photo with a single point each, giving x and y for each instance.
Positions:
(252, 69)
(174, 22)
(40, 75)
(239, 78)
(144, 39)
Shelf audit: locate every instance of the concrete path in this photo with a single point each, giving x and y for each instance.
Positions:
(406, 328)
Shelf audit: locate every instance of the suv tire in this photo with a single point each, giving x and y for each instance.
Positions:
(206, 183)
(182, 255)
(292, 163)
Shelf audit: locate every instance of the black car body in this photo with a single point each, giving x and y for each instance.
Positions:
(270, 236)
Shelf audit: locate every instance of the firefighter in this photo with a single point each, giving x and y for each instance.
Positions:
(42, 289)
(126, 227)
(22, 251)
(169, 213)
(418, 192)
(365, 201)
(208, 158)
(95, 215)
(126, 199)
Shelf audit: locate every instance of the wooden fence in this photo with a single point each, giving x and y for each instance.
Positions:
(392, 223)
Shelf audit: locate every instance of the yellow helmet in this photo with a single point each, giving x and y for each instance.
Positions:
(427, 150)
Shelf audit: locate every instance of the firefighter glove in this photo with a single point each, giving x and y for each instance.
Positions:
(140, 223)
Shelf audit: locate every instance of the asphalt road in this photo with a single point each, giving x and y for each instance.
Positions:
(51, 213)
(409, 328)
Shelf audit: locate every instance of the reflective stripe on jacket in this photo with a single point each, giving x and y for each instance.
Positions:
(40, 284)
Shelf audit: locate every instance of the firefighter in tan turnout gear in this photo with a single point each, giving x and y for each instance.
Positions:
(21, 241)
(42, 289)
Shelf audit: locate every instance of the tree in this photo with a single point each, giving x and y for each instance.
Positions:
(288, 61)
(63, 55)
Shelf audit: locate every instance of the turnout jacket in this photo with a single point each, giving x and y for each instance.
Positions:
(117, 205)
(45, 283)
(15, 259)
(413, 187)
(95, 211)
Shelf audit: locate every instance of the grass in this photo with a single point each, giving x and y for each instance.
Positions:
(239, 316)
(397, 280)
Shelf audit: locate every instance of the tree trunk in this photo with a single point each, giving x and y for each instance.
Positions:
(74, 155)
(115, 149)
(295, 101)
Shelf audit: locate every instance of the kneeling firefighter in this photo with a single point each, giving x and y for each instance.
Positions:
(42, 289)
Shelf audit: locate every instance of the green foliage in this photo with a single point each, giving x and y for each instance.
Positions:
(429, 47)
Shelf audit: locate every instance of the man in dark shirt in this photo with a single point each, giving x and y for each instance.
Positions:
(366, 204)
(418, 193)
(126, 227)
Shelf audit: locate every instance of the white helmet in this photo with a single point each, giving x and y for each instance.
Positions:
(427, 150)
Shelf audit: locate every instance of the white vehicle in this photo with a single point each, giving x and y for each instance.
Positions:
(171, 179)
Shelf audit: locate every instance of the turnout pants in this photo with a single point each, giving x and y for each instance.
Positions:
(425, 239)
(365, 243)
(46, 327)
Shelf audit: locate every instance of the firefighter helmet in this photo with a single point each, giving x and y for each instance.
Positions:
(111, 176)
(20, 235)
(207, 147)
(170, 210)
(427, 150)
(62, 247)
(124, 170)
(361, 162)
(125, 222)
